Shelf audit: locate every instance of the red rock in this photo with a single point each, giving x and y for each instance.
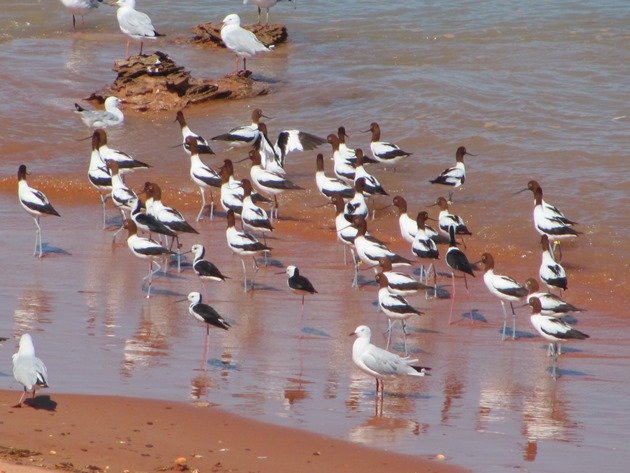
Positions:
(155, 83)
(209, 34)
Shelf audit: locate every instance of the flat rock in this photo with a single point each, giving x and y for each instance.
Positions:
(209, 34)
(155, 83)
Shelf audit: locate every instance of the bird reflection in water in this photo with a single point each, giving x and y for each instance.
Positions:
(546, 416)
(30, 310)
(295, 391)
(150, 343)
(380, 430)
(200, 386)
(453, 391)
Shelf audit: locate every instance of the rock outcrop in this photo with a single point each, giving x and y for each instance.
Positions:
(209, 34)
(155, 83)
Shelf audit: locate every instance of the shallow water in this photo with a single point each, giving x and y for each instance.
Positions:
(537, 92)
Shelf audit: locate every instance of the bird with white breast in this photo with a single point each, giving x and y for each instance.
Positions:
(242, 42)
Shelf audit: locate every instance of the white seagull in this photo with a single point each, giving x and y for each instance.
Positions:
(239, 40)
(28, 370)
(111, 116)
(35, 203)
(380, 363)
(135, 24)
(80, 8)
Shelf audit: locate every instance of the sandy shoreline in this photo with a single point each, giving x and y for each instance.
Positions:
(104, 433)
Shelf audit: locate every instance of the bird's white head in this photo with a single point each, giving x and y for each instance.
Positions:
(232, 19)
(112, 102)
(26, 345)
(126, 3)
(194, 297)
(198, 250)
(363, 331)
(291, 270)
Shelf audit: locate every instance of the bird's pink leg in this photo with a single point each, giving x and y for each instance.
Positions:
(127, 49)
(206, 349)
(19, 404)
(452, 299)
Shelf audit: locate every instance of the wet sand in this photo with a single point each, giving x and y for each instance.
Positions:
(98, 334)
(101, 433)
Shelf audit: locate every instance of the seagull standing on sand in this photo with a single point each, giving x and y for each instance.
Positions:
(111, 116)
(239, 40)
(35, 203)
(380, 363)
(135, 24)
(83, 7)
(28, 370)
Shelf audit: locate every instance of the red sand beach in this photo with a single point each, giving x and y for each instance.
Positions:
(101, 433)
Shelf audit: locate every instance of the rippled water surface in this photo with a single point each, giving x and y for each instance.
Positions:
(538, 90)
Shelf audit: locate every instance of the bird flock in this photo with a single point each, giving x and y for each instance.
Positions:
(155, 230)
